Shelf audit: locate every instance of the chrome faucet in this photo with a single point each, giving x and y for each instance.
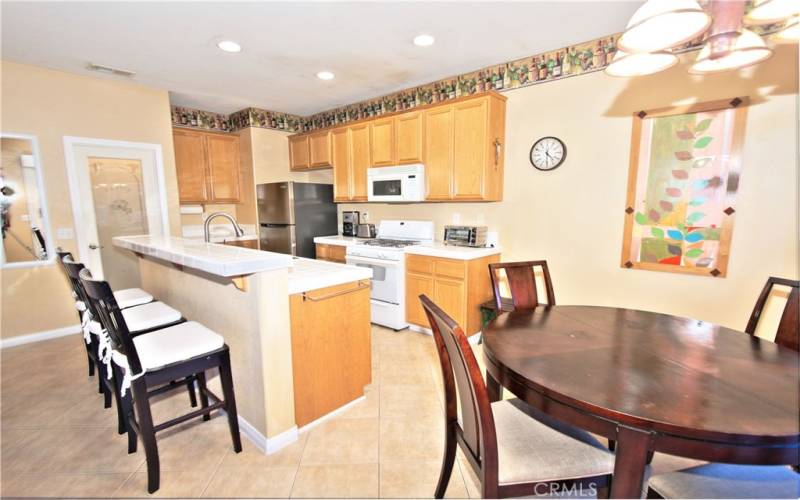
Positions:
(237, 230)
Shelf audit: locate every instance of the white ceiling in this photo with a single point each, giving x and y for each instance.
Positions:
(172, 45)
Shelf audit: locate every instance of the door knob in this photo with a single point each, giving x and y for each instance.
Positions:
(93, 246)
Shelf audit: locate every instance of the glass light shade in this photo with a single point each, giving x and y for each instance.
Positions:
(772, 11)
(661, 24)
(640, 64)
(790, 33)
(748, 49)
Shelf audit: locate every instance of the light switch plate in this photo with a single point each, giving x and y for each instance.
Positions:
(64, 233)
(456, 218)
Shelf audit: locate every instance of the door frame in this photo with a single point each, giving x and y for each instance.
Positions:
(70, 145)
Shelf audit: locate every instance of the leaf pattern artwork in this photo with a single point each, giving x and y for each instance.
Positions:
(680, 174)
(680, 200)
(702, 142)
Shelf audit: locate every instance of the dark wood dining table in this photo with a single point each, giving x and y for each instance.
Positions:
(651, 382)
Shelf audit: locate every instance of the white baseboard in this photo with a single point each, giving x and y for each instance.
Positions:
(39, 336)
(330, 415)
(264, 444)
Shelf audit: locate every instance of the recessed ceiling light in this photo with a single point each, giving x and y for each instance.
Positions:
(325, 75)
(424, 40)
(229, 46)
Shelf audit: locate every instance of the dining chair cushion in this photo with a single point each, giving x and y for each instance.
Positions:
(151, 315)
(176, 343)
(728, 481)
(533, 447)
(130, 297)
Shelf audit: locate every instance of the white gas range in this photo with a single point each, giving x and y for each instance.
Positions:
(385, 255)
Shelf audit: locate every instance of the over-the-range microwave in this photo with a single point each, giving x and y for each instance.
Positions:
(401, 184)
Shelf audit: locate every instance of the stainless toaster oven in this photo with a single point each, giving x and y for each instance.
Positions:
(465, 236)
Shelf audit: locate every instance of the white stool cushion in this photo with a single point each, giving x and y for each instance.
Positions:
(80, 306)
(151, 315)
(534, 447)
(728, 481)
(176, 343)
(130, 297)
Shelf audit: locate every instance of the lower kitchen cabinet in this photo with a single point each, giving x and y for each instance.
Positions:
(459, 287)
(331, 352)
(333, 253)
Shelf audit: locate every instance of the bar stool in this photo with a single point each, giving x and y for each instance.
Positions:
(144, 318)
(183, 351)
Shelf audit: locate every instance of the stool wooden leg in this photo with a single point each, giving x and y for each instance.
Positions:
(230, 399)
(201, 383)
(192, 395)
(147, 433)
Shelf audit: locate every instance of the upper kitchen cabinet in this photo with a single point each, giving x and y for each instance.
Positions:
(310, 151)
(464, 150)
(382, 138)
(409, 129)
(207, 165)
(299, 154)
(351, 159)
(319, 146)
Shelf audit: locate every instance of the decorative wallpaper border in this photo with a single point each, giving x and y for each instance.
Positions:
(549, 66)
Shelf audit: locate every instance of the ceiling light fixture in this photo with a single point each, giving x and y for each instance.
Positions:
(772, 11)
(790, 33)
(325, 75)
(424, 40)
(748, 49)
(640, 64)
(661, 24)
(229, 46)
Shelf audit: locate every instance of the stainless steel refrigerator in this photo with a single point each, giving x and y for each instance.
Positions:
(291, 214)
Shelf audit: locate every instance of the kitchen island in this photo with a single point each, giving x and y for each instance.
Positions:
(298, 329)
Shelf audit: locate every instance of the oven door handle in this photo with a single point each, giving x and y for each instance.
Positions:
(371, 260)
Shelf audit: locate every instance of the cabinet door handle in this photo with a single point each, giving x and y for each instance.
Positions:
(361, 286)
(498, 146)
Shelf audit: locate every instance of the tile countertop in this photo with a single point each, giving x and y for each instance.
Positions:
(311, 274)
(452, 252)
(220, 260)
(219, 232)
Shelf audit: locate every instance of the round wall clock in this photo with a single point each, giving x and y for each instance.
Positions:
(548, 153)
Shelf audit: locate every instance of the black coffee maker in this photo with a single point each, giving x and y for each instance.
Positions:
(350, 221)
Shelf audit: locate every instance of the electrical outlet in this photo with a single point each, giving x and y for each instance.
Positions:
(456, 218)
(364, 216)
(64, 233)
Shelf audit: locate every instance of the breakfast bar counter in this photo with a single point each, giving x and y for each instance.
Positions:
(278, 314)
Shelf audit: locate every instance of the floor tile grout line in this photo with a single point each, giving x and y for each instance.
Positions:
(216, 470)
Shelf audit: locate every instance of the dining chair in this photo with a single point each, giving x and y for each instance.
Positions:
(788, 332)
(521, 280)
(142, 319)
(514, 449)
(181, 352)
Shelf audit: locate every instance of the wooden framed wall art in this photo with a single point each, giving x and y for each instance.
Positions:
(685, 167)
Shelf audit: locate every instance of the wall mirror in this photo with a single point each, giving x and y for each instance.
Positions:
(23, 210)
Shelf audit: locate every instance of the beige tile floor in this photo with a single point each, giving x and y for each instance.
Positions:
(56, 439)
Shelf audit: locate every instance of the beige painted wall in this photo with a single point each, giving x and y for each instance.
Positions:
(573, 216)
(270, 157)
(51, 104)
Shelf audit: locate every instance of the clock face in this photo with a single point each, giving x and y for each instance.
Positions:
(548, 153)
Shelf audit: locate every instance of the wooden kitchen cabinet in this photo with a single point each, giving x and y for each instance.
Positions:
(461, 143)
(459, 287)
(351, 159)
(382, 142)
(331, 352)
(439, 153)
(332, 253)
(409, 137)
(207, 166)
(319, 146)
